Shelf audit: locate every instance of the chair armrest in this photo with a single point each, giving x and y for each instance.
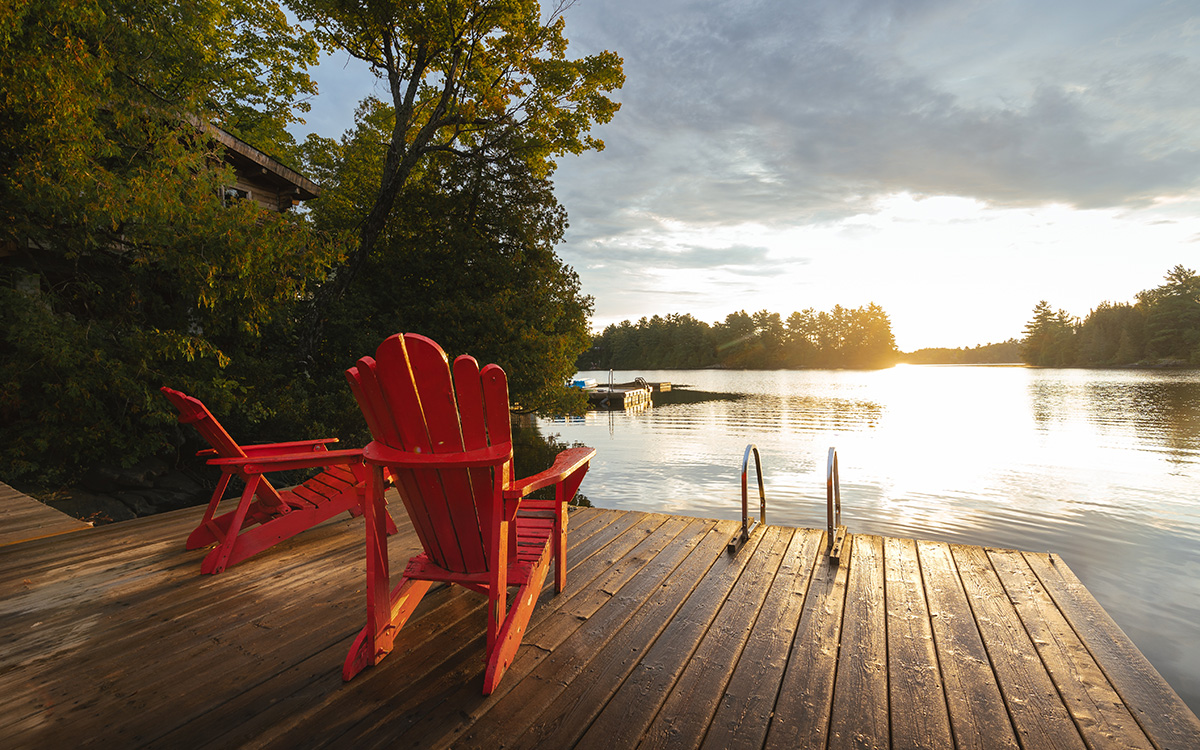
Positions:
(295, 446)
(378, 453)
(565, 464)
(309, 460)
(276, 449)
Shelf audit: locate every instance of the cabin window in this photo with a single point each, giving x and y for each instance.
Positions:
(233, 195)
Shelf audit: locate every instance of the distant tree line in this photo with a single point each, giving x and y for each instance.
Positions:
(984, 354)
(1161, 328)
(859, 338)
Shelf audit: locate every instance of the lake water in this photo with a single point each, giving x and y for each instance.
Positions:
(1100, 467)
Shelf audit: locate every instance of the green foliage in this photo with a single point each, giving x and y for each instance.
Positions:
(1173, 317)
(469, 262)
(121, 269)
(1161, 328)
(841, 338)
(471, 80)
(1049, 337)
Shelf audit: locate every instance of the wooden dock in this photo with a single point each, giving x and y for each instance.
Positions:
(111, 638)
(23, 519)
(620, 396)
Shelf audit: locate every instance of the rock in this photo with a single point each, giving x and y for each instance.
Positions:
(100, 479)
(87, 506)
(138, 502)
(175, 499)
(140, 476)
(150, 467)
(179, 482)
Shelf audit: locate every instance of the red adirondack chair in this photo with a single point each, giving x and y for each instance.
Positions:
(265, 515)
(448, 445)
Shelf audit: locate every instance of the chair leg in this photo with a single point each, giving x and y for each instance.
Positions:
(498, 585)
(218, 559)
(386, 611)
(372, 645)
(205, 534)
(501, 653)
(274, 530)
(560, 540)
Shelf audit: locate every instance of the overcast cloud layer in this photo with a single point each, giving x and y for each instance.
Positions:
(757, 138)
(781, 111)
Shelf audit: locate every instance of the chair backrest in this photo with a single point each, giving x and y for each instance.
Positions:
(411, 403)
(192, 411)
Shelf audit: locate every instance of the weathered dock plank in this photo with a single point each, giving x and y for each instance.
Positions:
(860, 704)
(919, 716)
(632, 708)
(662, 639)
(1157, 707)
(23, 519)
(577, 705)
(749, 700)
(684, 717)
(1037, 711)
(806, 692)
(1102, 719)
(978, 717)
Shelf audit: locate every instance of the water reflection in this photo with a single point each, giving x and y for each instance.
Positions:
(1100, 467)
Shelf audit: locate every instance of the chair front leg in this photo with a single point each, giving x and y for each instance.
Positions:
(560, 538)
(498, 579)
(217, 560)
(387, 611)
(564, 492)
(209, 531)
(378, 570)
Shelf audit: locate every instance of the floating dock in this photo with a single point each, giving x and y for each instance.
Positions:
(112, 638)
(619, 397)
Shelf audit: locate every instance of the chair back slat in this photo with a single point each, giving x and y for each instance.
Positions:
(495, 396)
(494, 384)
(431, 372)
(469, 391)
(396, 380)
(364, 383)
(365, 387)
(394, 372)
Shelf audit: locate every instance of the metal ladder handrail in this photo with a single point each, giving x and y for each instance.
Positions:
(836, 532)
(748, 526)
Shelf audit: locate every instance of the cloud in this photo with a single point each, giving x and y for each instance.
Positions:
(791, 113)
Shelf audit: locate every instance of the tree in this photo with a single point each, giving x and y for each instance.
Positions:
(470, 262)
(462, 77)
(841, 338)
(801, 339)
(122, 268)
(1173, 317)
(1112, 334)
(878, 347)
(737, 340)
(1049, 338)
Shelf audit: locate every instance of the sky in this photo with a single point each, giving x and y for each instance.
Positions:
(954, 161)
